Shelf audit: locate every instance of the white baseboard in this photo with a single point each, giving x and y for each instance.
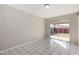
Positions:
(36, 39)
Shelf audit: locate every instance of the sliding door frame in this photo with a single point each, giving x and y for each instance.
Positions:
(58, 29)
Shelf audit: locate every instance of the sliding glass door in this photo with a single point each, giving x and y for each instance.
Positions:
(60, 31)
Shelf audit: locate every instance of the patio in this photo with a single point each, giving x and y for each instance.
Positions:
(61, 36)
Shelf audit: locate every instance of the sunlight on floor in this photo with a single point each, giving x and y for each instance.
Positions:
(61, 43)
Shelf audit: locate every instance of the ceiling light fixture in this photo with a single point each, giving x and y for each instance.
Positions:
(46, 5)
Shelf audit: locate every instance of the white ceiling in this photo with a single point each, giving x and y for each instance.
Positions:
(52, 11)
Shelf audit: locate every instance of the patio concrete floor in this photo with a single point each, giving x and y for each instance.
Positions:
(61, 36)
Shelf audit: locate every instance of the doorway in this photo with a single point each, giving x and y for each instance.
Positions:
(60, 31)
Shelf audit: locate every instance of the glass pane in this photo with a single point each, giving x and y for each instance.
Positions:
(64, 32)
(54, 31)
(60, 31)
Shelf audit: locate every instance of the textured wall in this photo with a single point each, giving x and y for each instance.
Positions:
(17, 27)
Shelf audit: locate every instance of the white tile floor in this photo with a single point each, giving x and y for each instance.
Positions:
(45, 47)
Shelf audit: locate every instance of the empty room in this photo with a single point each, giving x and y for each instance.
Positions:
(39, 29)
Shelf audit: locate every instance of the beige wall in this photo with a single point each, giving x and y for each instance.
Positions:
(72, 19)
(74, 30)
(78, 28)
(17, 27)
